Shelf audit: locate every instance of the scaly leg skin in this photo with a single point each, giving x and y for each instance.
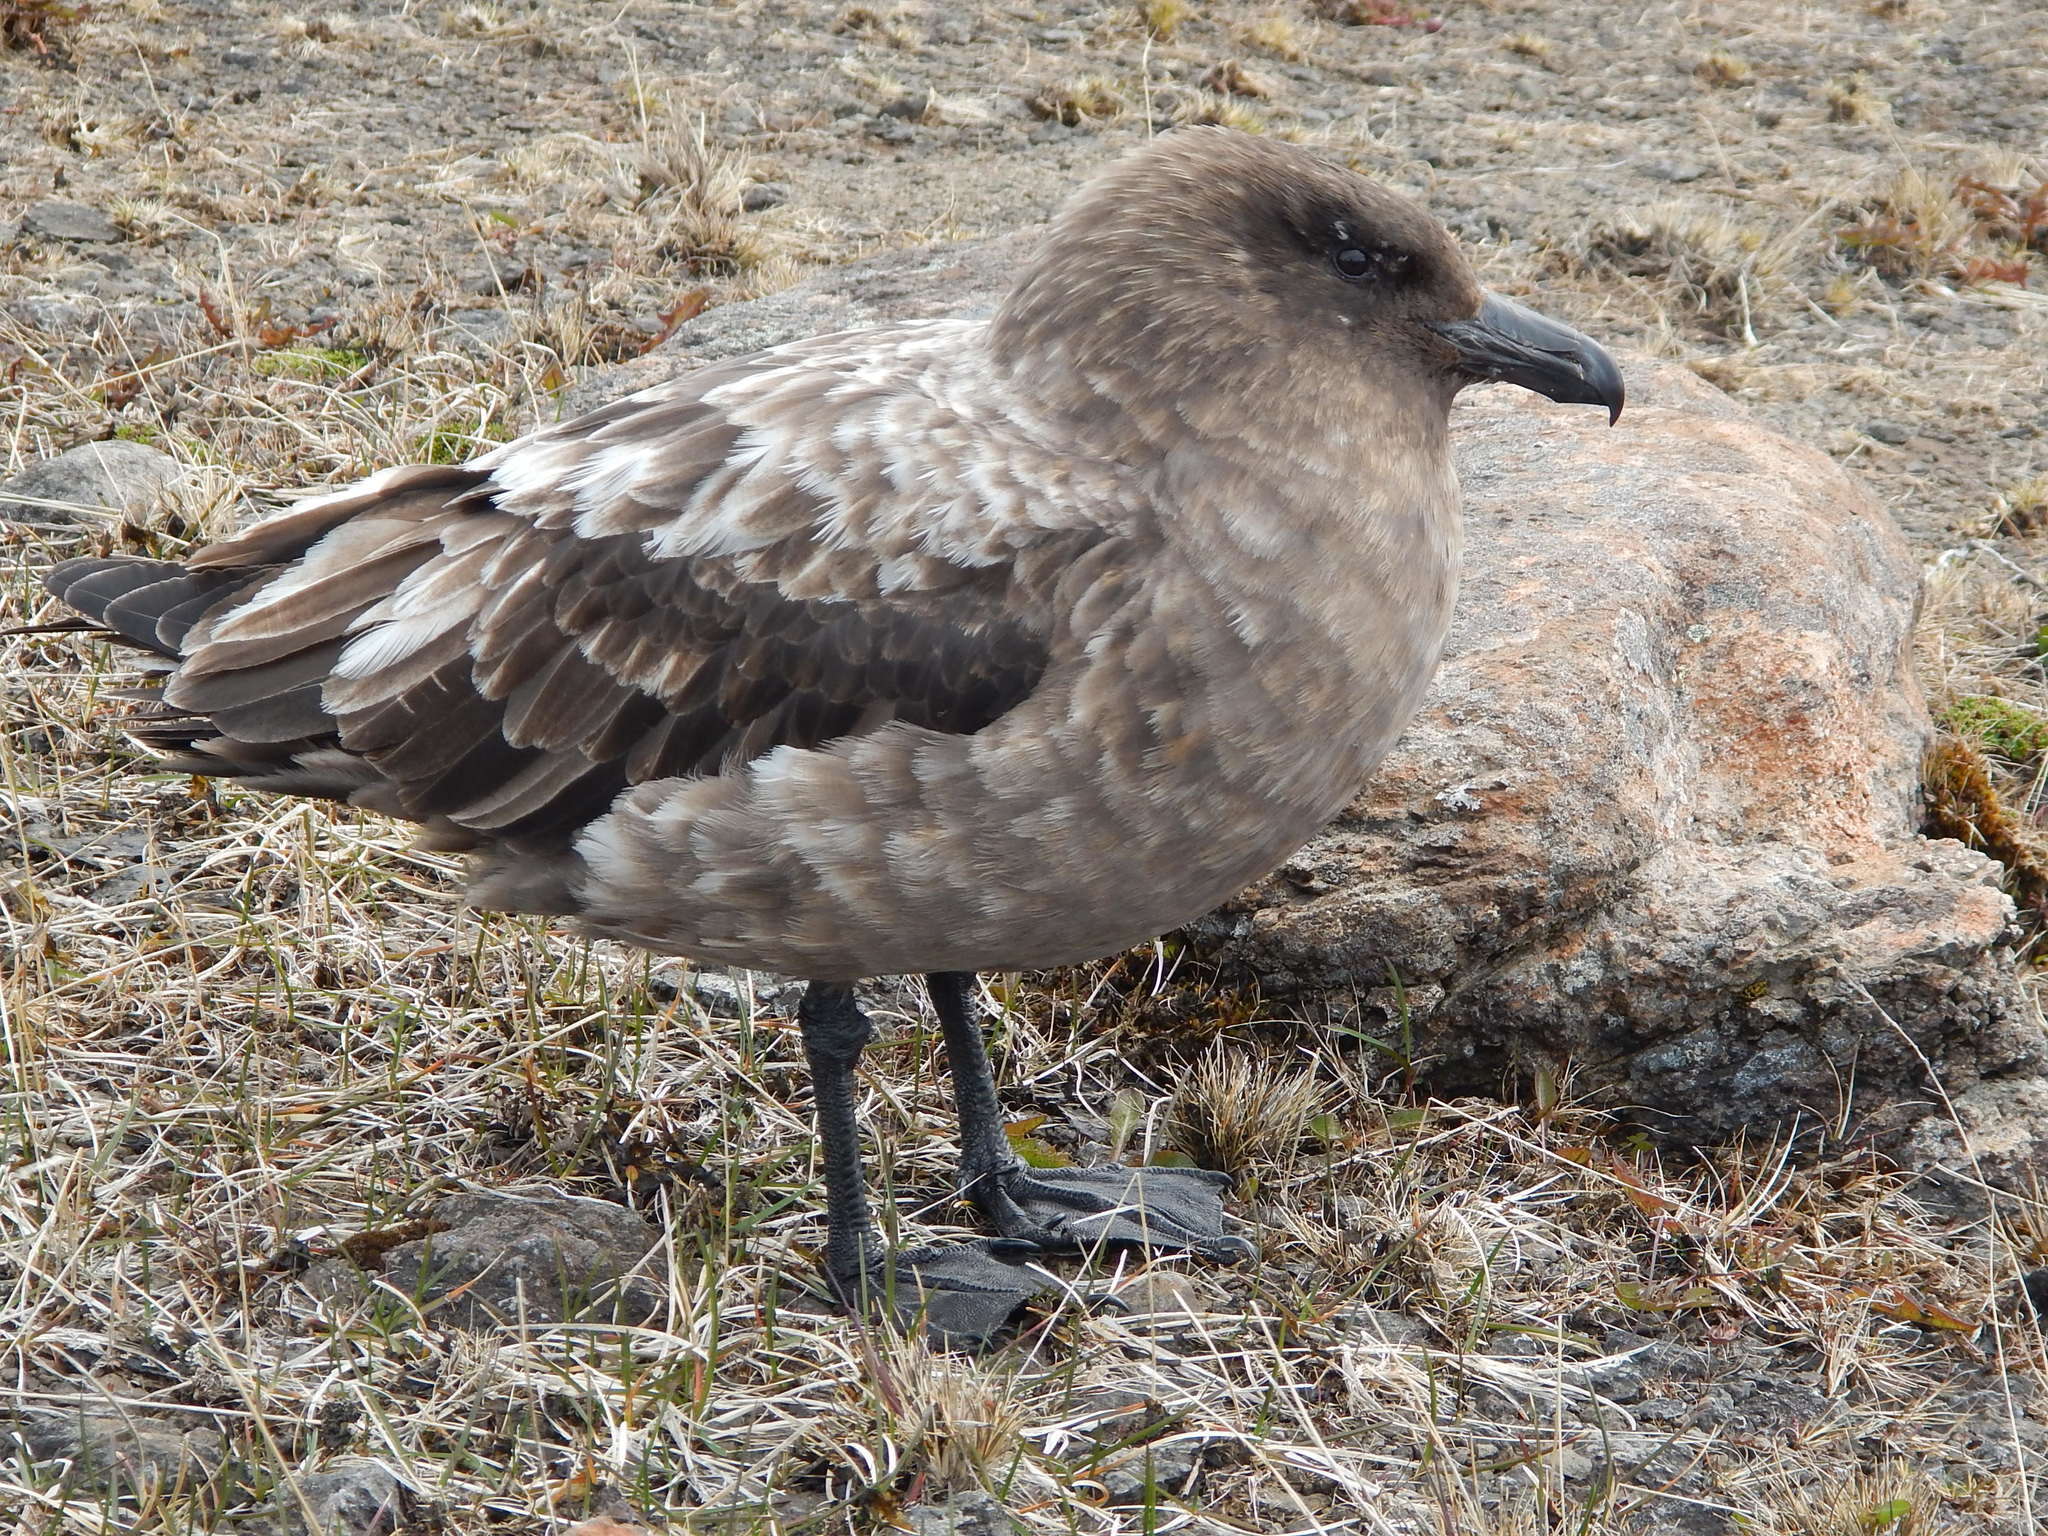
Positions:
(963, 1293)
(1063, 1209)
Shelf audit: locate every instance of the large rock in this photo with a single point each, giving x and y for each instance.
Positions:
(115, 476)
(1658, 819)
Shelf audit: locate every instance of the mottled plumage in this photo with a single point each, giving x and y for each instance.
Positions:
(940, 647)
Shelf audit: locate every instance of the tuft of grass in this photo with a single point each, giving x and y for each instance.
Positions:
(37, 27)
(1212, 109)
(1853, 101)
(689, 192)
(1229, 77)
(1983, 227)
(458, 445)
(1892, 1498)
(1529, 45)
(1278, 35)
(1718, 270)
(1089, 99)
(2021, 508)
(1722, 69)
(1375, 13)
(1161, 19)
(1235, 1112)
(322, 363)
(1963, 802)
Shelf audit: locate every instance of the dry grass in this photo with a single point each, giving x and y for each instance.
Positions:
(1091, 98)
(1705, 264)
(1724, 69)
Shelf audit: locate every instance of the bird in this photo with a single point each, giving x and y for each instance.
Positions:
(1000, 642)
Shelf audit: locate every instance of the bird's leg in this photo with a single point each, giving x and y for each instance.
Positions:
(1066, 1208)
(985, 1154)
(963, 1292)
(835, 1032)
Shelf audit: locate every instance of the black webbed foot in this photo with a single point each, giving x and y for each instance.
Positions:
(963, 1293)
(1063, 1209)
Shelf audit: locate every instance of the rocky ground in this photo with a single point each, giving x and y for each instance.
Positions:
(251, 1050)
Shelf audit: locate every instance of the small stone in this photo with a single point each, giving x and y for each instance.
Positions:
(1378, 1325)
(55, 219)
(58, 314)
(482, 330)
(729, 995)
(1888, 432)
(763, 195)
(1147, 1473)
(1104, 1417)
(972, 1513)
(354, 1496)
(116, 478)
(1170, 1291)
(2035, 1284)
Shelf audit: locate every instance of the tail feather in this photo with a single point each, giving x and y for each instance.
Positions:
(152, 604)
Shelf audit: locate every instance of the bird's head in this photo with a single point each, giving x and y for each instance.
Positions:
(1209, 251)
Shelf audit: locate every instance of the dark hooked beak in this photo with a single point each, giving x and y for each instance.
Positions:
(1507, 341)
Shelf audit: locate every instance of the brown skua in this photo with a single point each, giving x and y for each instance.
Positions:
(936, 648)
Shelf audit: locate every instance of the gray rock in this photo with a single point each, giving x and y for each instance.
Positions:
(505, 1258)
(971, 1513)
(1146, 1473)
(115, 1453)
(482, 330)
(729, 994)
(354, 1496)
(547, 1259)
(1660, 816)
(115, 477)
(763, 195)
(1377, 1325)
(68, 315)
(56, 219)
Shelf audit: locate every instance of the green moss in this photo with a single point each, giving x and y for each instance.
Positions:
(319, 363)
(1999, 726)
(456, 445)
(1038, 1154)
(136, 432)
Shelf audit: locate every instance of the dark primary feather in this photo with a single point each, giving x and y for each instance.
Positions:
(522, 724)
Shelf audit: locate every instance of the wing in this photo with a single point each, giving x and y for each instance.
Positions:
(780, 551)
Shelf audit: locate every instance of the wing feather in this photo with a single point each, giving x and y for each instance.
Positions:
(685, 580)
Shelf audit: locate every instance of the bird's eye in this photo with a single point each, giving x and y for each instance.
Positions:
(1353, 263)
